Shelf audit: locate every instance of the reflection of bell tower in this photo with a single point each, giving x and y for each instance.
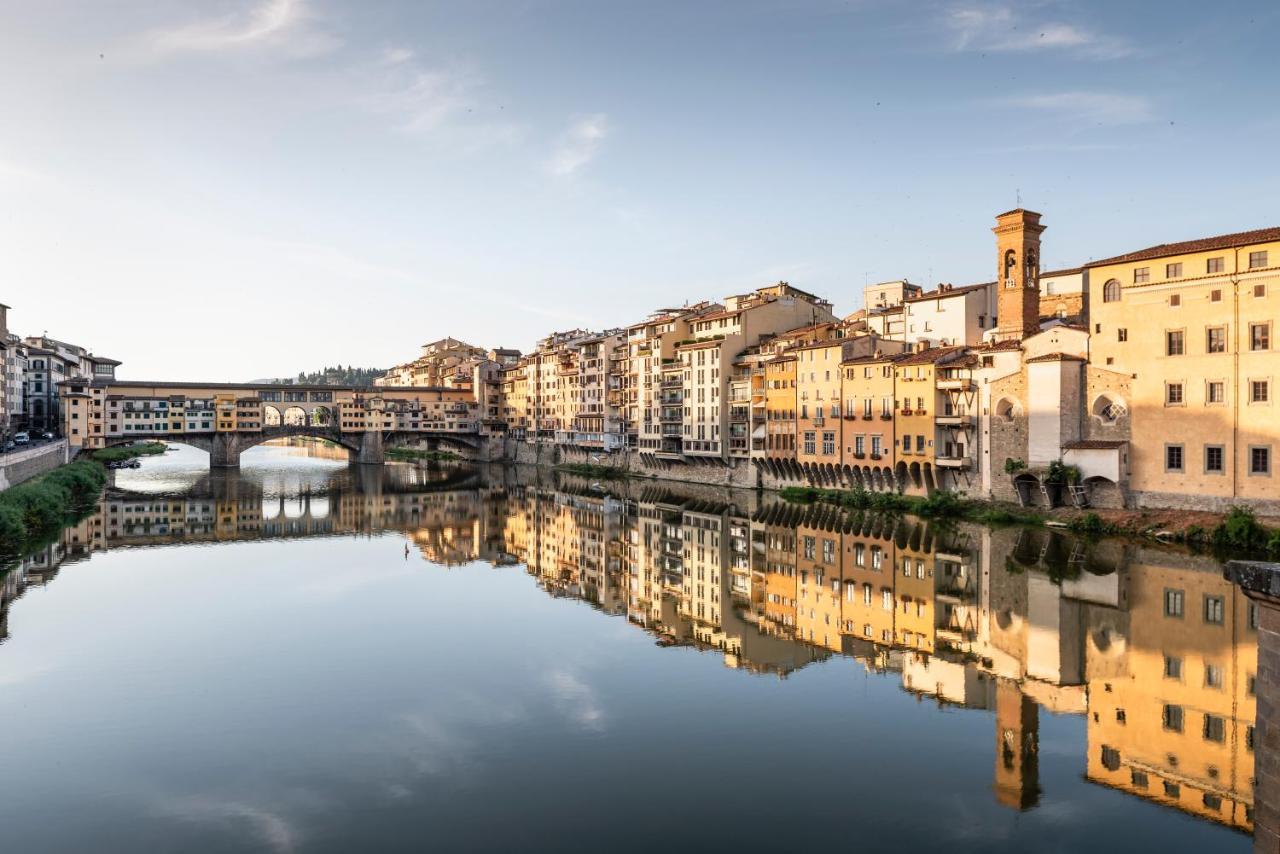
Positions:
(1018, 273)
(1017, 782)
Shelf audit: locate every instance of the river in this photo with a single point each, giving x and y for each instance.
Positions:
(303, 656)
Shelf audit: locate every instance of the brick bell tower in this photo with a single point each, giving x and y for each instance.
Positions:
(1018, 274)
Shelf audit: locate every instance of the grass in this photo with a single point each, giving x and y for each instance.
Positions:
(589, 470)
(31, 510)
(128, 452)
(942, 504)
(407, 455)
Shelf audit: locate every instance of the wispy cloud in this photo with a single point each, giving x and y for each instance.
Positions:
(1093, 108)
(423, 100)
(271, 829)
(579, 144)
(286, 25)
(577, 700)
(998, 29)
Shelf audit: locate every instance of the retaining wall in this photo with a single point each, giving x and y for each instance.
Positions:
(24, 464)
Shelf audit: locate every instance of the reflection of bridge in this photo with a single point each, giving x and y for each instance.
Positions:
(226, 419)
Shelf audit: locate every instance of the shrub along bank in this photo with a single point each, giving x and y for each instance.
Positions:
(31, 511)
(128, 452)
(940, 505)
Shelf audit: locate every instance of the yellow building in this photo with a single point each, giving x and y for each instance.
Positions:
(1193, 323)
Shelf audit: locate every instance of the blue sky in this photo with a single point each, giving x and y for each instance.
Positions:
(230, 189)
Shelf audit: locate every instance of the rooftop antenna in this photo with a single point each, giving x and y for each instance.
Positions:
(1017, 192)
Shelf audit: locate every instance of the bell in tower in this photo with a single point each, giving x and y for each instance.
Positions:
(1018, 274)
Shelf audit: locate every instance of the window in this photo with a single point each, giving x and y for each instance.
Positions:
(1259, 391)
(828, 443)
(1111, 291)
(1259, 290)
(1215, 295)
(810, 441)
(1215, 392)
(1173, 343)
(1173, 602)
(1172, 790)
(1215, 340)
(1172, 667)
(1259, 336)
(1214, 459)
(1212, 675)
(1173, 271)
(1122, 334)
(1171, 717)
(1141, 274)
(1213, 610)
(1214, 265)
(1212, 802)
(1215, 728)
(1260, 459)
(1138, 779)
(1110, 758)
(1175, 300)
(1173, 394)
(1257, 260)
(1173, 458)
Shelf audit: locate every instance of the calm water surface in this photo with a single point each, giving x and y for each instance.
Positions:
(308, 657)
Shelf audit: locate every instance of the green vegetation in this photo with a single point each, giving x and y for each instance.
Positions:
(339, 375)
(1012, 466)
(589, 470)
(128, 452)
(30, 511)
(1060, 472)
(1091, 524)
(1240, 530)
(407, 455)
(942, 504)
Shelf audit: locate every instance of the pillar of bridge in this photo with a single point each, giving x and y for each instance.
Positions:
(224, 451)
(1260, 582)
(371, 448)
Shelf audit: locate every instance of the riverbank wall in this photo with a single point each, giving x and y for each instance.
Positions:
(21, 465)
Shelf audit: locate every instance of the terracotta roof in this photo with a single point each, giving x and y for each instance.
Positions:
(1056, 357)
(1067, 272)
(883, 357)
(931, 356)
(1016, 210)
(1006, 344)
(1204, 244)
(1094, 445)
(955, 291)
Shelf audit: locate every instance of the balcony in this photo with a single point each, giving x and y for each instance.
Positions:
(673, 430)
(955, 384)
(886, 416)
(952, 462)
(955, 420)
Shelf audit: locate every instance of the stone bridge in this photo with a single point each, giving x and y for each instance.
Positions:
(366, 446)
(225, 419)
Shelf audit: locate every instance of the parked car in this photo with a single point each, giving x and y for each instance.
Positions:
(22, 438)
(9, 445)
(47, 434)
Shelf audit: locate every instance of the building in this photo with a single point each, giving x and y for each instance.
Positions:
(1192, 324)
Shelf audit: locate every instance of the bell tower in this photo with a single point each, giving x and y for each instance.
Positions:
(1018, 274)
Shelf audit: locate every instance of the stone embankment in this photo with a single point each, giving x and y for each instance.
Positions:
(25, 463)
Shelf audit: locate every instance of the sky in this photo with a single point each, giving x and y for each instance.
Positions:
(221, 190)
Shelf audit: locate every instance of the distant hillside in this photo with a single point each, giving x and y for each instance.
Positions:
(339, 375)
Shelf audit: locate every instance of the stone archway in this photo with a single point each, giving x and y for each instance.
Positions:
(295, 416)
(271, 416)
(321, 416)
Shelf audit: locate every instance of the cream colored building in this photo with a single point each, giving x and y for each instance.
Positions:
(1193, 324)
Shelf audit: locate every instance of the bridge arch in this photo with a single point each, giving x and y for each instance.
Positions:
(271, 416)
(295, 416)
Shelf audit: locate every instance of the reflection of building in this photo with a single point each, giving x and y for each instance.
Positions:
(1154, 648)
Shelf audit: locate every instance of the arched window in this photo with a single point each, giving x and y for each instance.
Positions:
(1111, 291)
(1109, 409)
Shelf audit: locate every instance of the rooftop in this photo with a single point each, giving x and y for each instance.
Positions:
(1204, 244)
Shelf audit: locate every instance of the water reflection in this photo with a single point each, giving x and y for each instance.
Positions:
(1152, 647)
